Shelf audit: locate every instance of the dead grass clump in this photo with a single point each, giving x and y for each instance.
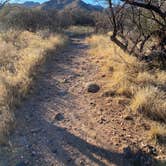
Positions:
(125, 67)
(158, 133)
(150, 101)
(80, 30)
(20, 54)
(131, 77)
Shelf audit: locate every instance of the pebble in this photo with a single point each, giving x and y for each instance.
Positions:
(93, 88)
(59, 117)
(128, 117)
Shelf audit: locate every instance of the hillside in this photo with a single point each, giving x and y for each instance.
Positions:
(28, 4)
(68, 4)
(61, 4)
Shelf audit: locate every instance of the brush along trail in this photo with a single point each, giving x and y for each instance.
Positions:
(61, 123)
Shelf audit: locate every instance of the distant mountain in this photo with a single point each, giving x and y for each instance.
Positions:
(60, 5)
(31, 4)
(69, 4)
(28, 4)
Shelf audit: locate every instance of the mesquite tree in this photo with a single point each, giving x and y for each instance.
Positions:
(3, 3)
(135, 22)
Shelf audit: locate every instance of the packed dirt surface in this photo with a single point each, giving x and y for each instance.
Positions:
(62, 124)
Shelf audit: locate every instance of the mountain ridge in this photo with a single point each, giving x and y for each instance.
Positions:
(28, 4)
(60, 5)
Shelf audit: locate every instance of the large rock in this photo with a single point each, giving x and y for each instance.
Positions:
(93, 87)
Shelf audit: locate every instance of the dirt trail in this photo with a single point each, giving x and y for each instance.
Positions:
(52, 121)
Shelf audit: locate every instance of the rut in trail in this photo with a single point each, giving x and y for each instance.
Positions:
(49, 129)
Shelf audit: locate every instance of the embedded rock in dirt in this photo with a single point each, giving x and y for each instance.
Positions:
(59, 117)
(128, 117)
(93, 87)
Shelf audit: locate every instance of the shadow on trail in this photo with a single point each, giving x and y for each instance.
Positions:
(64, 139)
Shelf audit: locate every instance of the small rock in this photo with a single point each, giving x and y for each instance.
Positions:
(146, 126)
(62, 93)
(33, 154)
(59, 117)
(93, 104)
(128, 117)
(54, 151)
(65, 80)
(93, 88)
(69, 160)
(108, 94)
(150, 150)
(82, 163)
(103, 75)
(102, 120)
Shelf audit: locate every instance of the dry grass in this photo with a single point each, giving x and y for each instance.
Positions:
(20, 54)
(80, 30)
(131, 78)
(125, 68)
(158, 133)
(150, 101)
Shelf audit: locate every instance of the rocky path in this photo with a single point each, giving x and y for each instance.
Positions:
(53, 123)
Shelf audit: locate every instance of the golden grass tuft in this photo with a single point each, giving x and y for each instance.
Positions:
(158, 133)
(20, 54)
(80, 30)
(150, 101)
(125, 67)
(131, 77)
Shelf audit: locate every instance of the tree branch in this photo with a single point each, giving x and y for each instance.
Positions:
(148, 6)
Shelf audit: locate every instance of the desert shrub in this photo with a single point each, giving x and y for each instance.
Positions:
(102, 22)
(137, 25)
(150, 101)
(82, 18)
(145, 87)
(58, 21)
(28, 19)
(30, 50)
(157, 59)
(34, 19)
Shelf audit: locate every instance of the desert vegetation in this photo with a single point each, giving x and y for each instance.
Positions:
(27, 35)
(127, 42)
(130, 77)
(37, 19)
(21, 54)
